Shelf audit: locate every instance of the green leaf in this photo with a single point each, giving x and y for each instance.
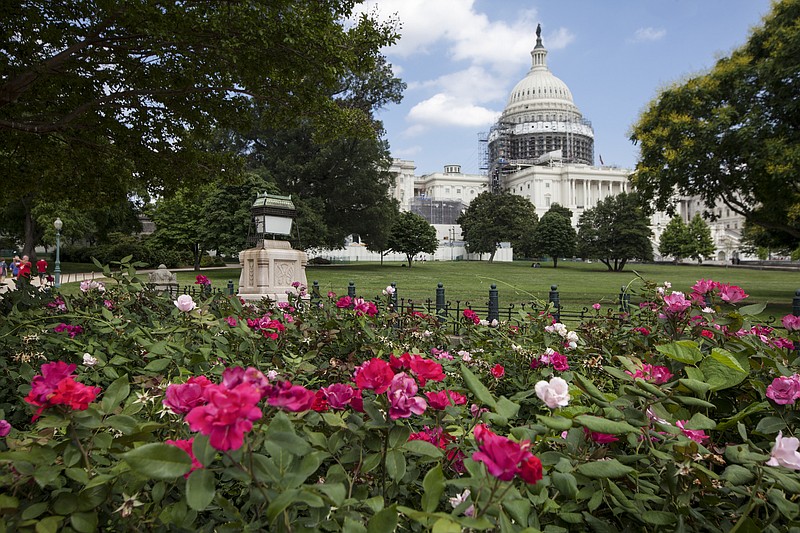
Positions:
(737, 475)
(726, 358)
(604, 469)
(385, 520)
(506, 408)
(770, 425)
(395, 465)
(433, 485)
(445, 525)
(115, 394)
(203, 451)
(566, 484)
(280, 503)
(700, 421)
(603, 425)
(51, 524)
(696, 386)
(478, 389)
(755, 407)
(720, 376)
(752, 309)
(659, 518)
(158, 461)
(334, 420)
(84, 522)
(683, 351)
(290, 442)
(589, 388)
(125, 424)
(200, 489)
(158, 365)
(398, 435)
(421, 447)
(558, 423)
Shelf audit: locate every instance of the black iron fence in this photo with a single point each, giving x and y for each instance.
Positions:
(450, 313)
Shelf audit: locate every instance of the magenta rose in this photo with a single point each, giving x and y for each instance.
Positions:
(290, 397)
(182, 398)
(338, 395)
(375, 374)
(227, 416)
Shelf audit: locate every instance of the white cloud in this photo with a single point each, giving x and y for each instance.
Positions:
(408, 151)
(474, 83)
(443, 109)
(648, 34)
(561, 38)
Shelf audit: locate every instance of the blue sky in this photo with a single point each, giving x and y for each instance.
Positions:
(461, 58)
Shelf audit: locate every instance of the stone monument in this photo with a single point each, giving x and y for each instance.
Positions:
(163, 280)
(271, 266)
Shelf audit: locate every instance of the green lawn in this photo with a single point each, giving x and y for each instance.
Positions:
(579, 284)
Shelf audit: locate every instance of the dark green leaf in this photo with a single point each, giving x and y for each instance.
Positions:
(200, 489)
(158, 461)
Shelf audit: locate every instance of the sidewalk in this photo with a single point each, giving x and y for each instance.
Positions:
(9, 285)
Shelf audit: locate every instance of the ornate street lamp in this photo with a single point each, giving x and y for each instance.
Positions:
(272, 215)
(58, 225)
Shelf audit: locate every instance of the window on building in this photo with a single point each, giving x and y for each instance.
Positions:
(447, 190)
(547, 200)
(458, 190)
(547, 185)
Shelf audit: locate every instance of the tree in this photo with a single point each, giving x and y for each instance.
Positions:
(731, 136)
(180, 224)
(701, 243)
(674, 241)
(493, 218)
(411, 234)
(378, 239)
(615, 231)
(344, 181)
(101, 100)
(553, 236)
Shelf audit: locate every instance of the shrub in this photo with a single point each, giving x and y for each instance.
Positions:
(340, 414)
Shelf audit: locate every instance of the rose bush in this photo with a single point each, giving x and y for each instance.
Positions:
(336, 414)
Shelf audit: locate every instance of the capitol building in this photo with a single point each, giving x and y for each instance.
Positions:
(542, 148)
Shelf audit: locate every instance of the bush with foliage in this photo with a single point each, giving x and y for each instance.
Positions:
(124, 410)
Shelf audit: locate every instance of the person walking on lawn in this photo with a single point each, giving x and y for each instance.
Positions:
(41, 269)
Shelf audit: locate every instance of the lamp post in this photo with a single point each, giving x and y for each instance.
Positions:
(272, 215)
(58, 225)
(452, 238)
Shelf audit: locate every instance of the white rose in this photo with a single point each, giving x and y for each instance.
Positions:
(88, 360)
(185, 303)
(554, 394)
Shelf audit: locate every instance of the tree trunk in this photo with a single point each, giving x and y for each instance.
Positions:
(32, 232)
(491, 256)
(410, 259)
(555, 262)
(196, 252)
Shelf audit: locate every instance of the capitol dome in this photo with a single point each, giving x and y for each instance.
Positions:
(540, 119)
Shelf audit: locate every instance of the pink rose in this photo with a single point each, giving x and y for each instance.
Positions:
(185, 303)
(791, 322)
(731, 293)
(554, 393)
(5, 428)
(403, 401)
(784, 390)
(676, 303)
(696, 435)
(426, 370)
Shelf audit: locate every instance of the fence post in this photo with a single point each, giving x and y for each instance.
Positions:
(230, 287)
(351, 289)
(624, 300)
(796, 303)
(494, 303)
(554, 299)
(315, 296)
(394, 295)
(440, 311)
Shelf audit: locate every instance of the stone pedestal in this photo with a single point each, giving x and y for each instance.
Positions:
(269, 271)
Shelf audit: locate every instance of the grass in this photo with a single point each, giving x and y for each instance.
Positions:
(579, 284)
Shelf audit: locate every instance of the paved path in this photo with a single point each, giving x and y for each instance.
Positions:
(9, 284)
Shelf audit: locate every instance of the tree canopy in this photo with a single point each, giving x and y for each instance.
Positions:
(102, 100)
(411, 234)
(674, 240)
(615, 231)
(731, 136)
(492, 218)
(553, 236)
